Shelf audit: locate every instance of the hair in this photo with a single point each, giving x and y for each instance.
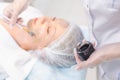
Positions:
(61, 51)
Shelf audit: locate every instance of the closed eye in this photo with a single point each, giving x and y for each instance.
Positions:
(54, 18)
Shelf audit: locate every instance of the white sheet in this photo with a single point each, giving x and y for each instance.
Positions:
(42, 71)
(11, 54)
(16, 61)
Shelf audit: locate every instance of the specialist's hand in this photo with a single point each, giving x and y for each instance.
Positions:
(13, 10)
(102, 54)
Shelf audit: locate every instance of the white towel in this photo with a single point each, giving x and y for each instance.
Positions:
(15, 61)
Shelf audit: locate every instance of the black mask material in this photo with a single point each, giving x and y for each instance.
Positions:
(84, 50)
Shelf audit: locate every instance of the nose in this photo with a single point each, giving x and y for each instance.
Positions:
(35, 20)
(42, 20)
(53, 19)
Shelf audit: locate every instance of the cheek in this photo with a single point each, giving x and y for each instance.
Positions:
(51, 32)
(30, 23)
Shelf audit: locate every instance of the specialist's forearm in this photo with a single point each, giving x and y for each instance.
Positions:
(22, 37)
(112, 51)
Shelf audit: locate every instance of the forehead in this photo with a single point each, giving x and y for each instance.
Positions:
(51, 18)
(51, 21)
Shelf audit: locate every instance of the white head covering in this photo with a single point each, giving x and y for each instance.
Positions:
(60, 52)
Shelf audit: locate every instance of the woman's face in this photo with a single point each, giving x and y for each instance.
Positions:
(47, 29)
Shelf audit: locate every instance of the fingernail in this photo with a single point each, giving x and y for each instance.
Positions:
(75, 51)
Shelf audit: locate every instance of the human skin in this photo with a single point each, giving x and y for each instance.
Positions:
(13, 9)
(105, 53)
(46, 30)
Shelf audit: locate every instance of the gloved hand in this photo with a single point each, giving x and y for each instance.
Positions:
(102, 54)
(13, 10)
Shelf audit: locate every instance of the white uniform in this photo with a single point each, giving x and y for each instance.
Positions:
(104, 16)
